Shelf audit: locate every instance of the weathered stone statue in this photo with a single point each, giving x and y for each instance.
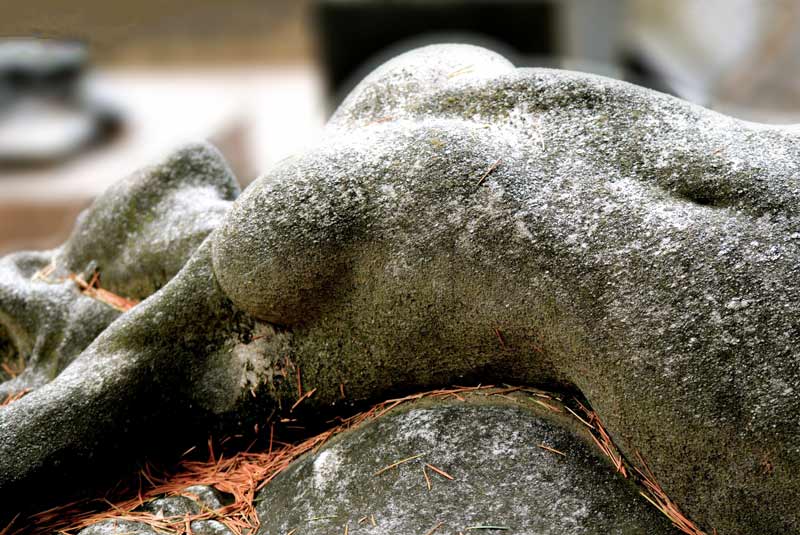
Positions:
(631, 248)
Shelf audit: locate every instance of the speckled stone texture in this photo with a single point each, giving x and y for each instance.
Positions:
(625, 243)
(138, 235)
(501, 478)
(466, 221)
(194, 499)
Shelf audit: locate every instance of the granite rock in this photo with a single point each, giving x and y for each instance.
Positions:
(118, 527)
(193, 500)
(501, 478)
(127, 527)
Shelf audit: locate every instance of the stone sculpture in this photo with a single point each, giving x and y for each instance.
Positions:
(632, 249)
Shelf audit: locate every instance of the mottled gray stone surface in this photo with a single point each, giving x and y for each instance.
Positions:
(639, 248)
(501, 478)
(118, 527)
(208, 497)
(142, 230)
(195, 499)
(466, 221)
(138, 235)
(125, 527)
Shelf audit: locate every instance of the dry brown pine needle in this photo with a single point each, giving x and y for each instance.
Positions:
(434, 528)
(303, 397)
(243, 474)
(398, 463)
(487, 173)
(548, 448)
(440, 472)
(11, 398)
(92, 289)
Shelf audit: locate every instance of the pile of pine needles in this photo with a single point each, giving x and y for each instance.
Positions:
(244, 473)
(241, 476)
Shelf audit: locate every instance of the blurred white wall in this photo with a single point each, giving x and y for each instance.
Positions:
(740, 56)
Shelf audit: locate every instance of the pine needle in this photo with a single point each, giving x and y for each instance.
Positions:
(548, 448)
(11, 398)
(547, 406)
(8, 526)
(440, 472)
(92, 289)
(576, 415)
(656, 496)
(303, 397)
(434, 528)
(487, 173)
(398, 463)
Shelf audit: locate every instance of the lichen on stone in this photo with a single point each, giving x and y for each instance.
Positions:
(502, 477)
(462, 221)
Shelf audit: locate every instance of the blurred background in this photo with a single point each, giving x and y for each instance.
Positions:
(91, 90)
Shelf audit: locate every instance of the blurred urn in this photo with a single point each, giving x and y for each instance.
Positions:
(46, 115)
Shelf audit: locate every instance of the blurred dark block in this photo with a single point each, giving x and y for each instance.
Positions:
(46, 116)
(354, 36)
(40, 66)
(351, 33)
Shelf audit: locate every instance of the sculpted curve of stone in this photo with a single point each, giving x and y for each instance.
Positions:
(627, 245)
(498, 478)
